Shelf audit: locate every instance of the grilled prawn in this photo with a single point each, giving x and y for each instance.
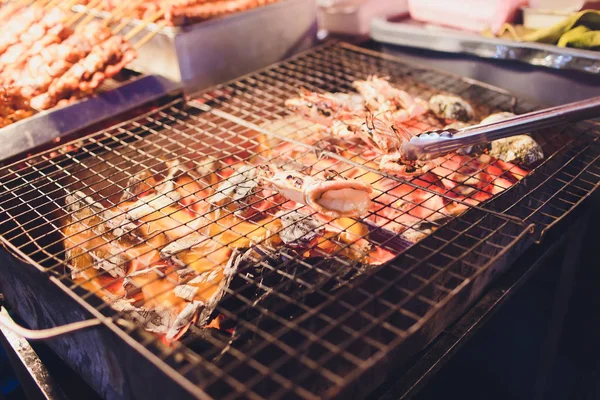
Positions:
(385, 137)
(325, 108)
(381, 97)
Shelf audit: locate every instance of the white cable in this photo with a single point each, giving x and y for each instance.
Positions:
(42, 334)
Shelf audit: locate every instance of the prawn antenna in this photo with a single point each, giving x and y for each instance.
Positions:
(402, 132)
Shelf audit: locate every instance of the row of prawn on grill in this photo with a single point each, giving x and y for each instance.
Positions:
(168, 251)
(46, 63)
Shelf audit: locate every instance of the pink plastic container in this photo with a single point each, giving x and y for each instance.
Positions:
(471, 15)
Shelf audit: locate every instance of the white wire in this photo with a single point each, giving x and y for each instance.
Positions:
(42, 334)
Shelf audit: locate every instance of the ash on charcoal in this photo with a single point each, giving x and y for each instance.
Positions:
(298, 228)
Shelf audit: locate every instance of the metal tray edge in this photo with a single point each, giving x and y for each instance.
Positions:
(537, 54)
(49, 125)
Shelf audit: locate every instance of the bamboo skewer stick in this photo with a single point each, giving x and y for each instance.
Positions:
(122, 15)
(124, 22)
(76, 16)
(88, 18)
(67, 5)
(150, 35)
(143, 26)
(116, 12)
(52, 3)
(40, 3)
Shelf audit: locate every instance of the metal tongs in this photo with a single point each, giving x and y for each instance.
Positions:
(434, 144)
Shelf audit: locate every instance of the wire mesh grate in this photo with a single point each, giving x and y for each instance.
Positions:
(259, 99)
(302, 314)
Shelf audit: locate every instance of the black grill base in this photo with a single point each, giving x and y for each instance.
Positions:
(116, 371)
(108, 364)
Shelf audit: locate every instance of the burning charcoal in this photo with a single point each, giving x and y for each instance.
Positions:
(451, 107)
(136, 185)
(153, 320)
(237, 189)
(184, 318)
(228, 272)
(186, 292)
(123, 305)
(157, 320)
(520, 148)
(422, 230)
(115, 265)
(78, 200)
(185, 243)
(297, 227)
(121, 225)
(414, 236)
(185, 273)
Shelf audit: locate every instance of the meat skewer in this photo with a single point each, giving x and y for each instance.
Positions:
(13, 107)
(8, 10)
(19, 24)
(11, 65)
(54, 61)
(51, 21)
(208, 10)
(104, 61)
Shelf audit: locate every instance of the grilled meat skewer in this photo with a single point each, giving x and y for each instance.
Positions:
(83, 77)
(10, 9)
(13, 62)
(51, 21)
(19, 24)
(207, 10)
(54, 61)
(13, 107)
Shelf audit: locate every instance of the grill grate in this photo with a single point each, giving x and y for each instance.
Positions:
(258, 99)
(294, 323)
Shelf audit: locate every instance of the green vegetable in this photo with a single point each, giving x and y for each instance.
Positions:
(580, 38)
(587, 18)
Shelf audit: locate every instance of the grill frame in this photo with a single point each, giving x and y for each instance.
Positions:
(504, 243)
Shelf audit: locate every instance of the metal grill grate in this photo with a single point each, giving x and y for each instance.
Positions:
(259, 99)
(298, 323)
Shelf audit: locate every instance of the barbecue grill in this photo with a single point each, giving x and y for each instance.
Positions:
(290, 327)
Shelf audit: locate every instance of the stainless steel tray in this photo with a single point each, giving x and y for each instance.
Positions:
(408, 32)
(218, 50)
(49, 125)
